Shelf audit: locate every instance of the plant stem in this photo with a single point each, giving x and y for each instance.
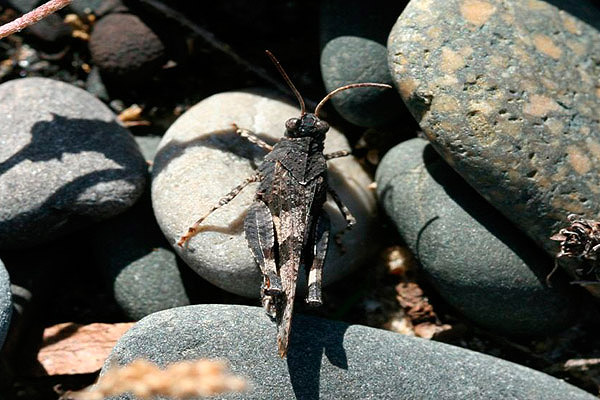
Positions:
(32, 17)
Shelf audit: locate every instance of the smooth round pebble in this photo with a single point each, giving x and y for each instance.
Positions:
(200, 159)
(479, 263)
(329, 359)
(139, 265)
(353, 35)
(507, 91)
(5, 303)
(125, 48)
(64, 162)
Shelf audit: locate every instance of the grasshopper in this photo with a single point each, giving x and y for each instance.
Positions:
(286, 226)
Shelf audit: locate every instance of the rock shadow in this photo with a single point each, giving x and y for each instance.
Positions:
(484, 213)
(586, 11)
(62, 211)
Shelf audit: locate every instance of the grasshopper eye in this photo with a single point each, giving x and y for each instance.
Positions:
(322, 126)
(292, 124)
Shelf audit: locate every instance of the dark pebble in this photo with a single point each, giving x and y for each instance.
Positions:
(353, 36)
(125, 48)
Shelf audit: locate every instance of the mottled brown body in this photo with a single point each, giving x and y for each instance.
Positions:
(286, 226)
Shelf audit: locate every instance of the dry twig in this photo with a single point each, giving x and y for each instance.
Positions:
(32, 17)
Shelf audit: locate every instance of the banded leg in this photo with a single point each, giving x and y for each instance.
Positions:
(260, 234)
(315, 274)
(337, 154)
(252, 138)
(350, 220)
(192, 230)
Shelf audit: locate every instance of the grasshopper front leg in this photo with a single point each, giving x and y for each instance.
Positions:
(337, 154)
(252, 138)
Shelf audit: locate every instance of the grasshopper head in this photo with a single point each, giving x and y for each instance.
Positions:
(308, 125)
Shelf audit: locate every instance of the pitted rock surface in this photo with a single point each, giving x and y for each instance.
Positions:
(508, 93)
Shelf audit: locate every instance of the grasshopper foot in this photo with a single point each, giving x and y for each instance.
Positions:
(314, 298)
(272, 285)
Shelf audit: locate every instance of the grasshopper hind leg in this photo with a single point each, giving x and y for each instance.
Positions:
(260, 234)
(315, 274)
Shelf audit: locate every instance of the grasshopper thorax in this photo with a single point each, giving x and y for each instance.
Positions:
(308, 125)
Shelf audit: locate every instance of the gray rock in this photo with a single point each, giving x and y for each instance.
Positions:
(353, 36)
(148, 146)
(64, 162)
(200, 159)
(140, 266)
(95, 85)
(5, 303)
(507, 93)
(475, 258)
(329, 359)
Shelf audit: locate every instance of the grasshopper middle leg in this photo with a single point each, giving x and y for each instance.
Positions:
(350, 220)
(192, 230)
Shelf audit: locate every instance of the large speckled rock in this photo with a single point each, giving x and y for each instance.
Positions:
(353, 37)
(64, 161)
(329, 359)
(5, 303)
(507, 92)
(478, 261)
(200, 159)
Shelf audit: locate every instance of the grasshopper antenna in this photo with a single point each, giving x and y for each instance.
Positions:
(351, 86)
(288, 81)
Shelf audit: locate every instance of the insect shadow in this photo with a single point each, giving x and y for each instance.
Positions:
(310, 340)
